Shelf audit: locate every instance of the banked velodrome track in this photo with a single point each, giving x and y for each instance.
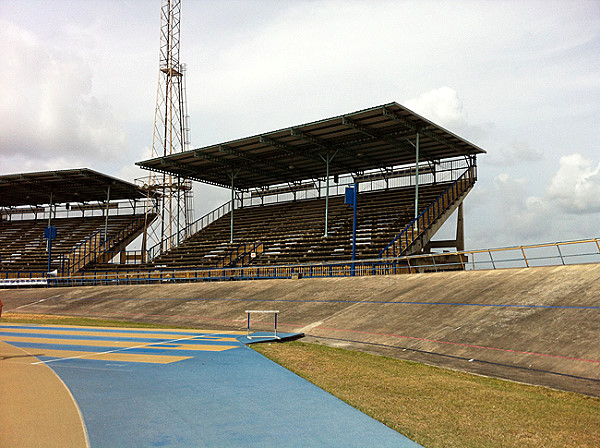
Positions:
(536, 325)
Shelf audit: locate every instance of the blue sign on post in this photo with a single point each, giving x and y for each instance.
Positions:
(349, 196)
(50, 233)
(351, 199)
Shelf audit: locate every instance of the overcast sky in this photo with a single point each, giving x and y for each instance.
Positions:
(521, 79)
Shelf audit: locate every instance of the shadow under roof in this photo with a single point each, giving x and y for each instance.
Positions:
(380, 137)
(75, 185)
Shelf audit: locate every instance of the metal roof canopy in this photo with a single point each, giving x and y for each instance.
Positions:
(380, 137)
(62, 186)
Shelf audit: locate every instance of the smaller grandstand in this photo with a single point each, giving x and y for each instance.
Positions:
(94, 217)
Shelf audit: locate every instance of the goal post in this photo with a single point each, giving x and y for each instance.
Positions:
(274, 312)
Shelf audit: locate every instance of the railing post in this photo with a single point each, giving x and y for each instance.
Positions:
(524, 257)
(560, 253)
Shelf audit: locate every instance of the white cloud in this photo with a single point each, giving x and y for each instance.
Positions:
(569, 208)
(575, 188)
(48, 112)
(442, 106)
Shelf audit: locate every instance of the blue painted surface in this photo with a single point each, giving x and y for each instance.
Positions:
(233, 398)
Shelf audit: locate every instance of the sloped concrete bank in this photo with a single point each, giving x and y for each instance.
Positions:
(538, 325)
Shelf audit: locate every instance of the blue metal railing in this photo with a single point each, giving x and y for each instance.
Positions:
(549, 254)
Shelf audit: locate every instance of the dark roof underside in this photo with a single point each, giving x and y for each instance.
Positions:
(378, 138)
(76, 185)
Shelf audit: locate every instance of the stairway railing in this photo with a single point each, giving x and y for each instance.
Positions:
(178, 237)
(423, 222)
(241, 255)
(95, 246)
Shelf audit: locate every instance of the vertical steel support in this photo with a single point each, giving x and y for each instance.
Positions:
(106, 215)
(327, 194)
(179, 194)
(232, 204)
(460, 229)
(50, 211)
(48, 243)
(417, 178)
(354, 221)
(50, 239)
(355, 206)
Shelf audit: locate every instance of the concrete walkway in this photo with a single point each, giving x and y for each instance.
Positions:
(141, 388)
(37, 409)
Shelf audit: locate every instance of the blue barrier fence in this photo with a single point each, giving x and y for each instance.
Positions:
(551, 254)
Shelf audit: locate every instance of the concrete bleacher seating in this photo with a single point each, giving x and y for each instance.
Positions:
(24, 248)
(293, 232)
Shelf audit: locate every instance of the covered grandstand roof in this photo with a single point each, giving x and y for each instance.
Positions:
(75, 185)
(379, 137)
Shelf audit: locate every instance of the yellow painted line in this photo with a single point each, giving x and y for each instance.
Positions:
(120, 357)
(155, 330)
(119, 344)
(111, 334)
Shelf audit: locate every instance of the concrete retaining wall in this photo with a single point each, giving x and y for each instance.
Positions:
(538, 325)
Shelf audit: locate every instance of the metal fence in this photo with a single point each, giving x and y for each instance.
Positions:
(549, 254)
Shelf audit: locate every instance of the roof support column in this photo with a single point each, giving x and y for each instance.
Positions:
(327, 193)
(327, 159)
(106, 217)
(460, 229)
(50, 211)
(233, 175)
(417, 178)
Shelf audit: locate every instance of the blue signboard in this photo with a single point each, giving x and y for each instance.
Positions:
(50, 233)
(349, 196)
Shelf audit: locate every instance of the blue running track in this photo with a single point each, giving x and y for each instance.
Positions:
(183, 388)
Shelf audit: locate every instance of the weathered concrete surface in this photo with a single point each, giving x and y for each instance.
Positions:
(538, 325)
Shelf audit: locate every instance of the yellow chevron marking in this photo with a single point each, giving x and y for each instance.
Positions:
(118, 356)
(117, 344)
(82, 332)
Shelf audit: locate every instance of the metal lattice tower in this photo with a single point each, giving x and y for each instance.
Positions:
(171, 134)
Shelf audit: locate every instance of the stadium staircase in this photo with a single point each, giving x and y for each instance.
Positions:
(293, 232)
(415, 236)
(242, 255)
(80, 241)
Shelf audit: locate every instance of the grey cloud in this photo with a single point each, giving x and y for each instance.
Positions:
(48, 111)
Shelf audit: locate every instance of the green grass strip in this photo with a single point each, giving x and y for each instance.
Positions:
(441, 408)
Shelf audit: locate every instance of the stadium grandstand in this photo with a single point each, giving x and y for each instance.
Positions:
(59, 222)
(291, 192)
(369, 185)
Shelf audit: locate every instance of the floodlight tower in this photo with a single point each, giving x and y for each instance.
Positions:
(171, 133)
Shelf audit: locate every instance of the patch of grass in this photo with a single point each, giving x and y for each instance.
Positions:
(444, 408)
(45, 319)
